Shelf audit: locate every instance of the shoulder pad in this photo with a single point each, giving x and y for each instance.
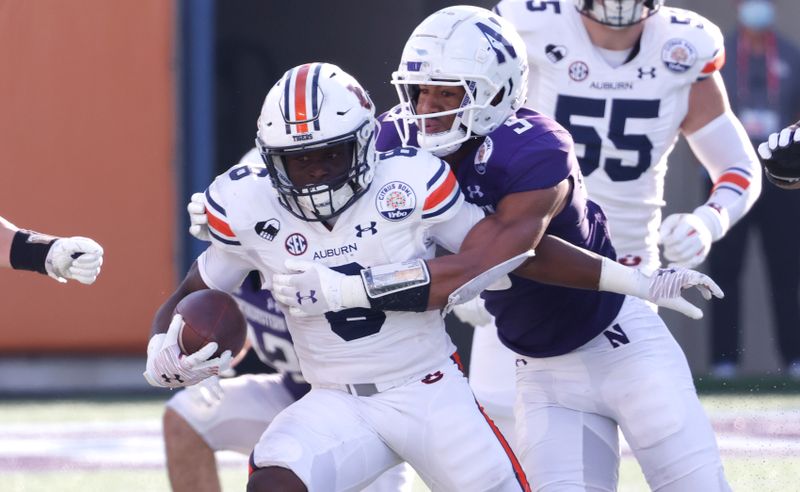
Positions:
(218, 223)
(236, 181)
(701, 33)
(528, 16)
(252, 157)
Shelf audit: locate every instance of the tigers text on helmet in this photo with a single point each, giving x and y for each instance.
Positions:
(312, 107)
(618, 13)
(466, 47)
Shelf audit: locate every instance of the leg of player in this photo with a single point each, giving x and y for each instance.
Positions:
(492, 378)
(190, 461)
(442, 432)
(633, 375)
(196, 426)
(321, 442)
(332, 440)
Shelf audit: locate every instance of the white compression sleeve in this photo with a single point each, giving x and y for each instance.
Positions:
(724, 149)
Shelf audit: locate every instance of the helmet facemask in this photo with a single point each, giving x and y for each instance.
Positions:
(317, 107)
(325, 200)
(618, 14)
(445, 142)
(466, 47)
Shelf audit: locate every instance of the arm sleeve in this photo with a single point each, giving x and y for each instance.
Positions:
(222, 269)
(724, 149)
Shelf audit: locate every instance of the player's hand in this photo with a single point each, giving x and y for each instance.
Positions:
(666, 285)
(77, 258)
(686, 239)
(473, 312)
(168, 368)
(781, 156)
(312, 289)
(197, 217)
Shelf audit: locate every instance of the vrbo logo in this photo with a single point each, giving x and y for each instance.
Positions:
(395, 200)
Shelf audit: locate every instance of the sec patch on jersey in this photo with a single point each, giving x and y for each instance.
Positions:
(211, 316)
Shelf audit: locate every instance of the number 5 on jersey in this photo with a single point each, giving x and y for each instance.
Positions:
(621, 111)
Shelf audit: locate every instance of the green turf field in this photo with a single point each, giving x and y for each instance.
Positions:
(114, 445)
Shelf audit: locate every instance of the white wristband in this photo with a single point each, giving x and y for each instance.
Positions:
(618, 278)
(353, 292)
(716, 220)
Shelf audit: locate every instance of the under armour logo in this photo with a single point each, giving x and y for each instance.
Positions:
(651, 73)
(432, 378)
(168, 379)
(361, 230)
(310, 297)
(521, 362)
(474, 191)
(616, 336)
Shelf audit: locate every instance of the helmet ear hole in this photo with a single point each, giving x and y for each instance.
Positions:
(499, 97)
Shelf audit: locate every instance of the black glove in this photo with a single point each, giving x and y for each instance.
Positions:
(780, 155)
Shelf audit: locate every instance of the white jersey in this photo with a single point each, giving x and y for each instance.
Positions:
(624, 120)
(407, 208)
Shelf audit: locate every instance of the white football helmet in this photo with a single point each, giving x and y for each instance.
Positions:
(313, 106)
(618, 13)
(467, 47)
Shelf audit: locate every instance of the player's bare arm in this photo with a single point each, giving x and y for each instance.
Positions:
(166, 366)
(192, 282)
(518, 225)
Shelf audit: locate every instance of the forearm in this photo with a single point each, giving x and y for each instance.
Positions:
(192, 282)
(490, 242)
(558, 262)
(724, 149)
(7, 231)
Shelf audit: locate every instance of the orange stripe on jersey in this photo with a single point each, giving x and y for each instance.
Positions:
(733, 178)
(300, 98)
(518, 471)
(440, 193)
(716, 63)
(219, 224)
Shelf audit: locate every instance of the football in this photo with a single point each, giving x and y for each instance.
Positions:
(211, 316)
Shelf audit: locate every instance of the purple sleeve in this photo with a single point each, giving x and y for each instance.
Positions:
(540, 164)
(388, 138)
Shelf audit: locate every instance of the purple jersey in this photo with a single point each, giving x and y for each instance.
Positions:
(267, 331)
(532, 152)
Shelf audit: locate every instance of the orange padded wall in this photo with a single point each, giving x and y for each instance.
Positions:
(86, 148)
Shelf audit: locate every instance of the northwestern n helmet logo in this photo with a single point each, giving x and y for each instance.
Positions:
(495, 37)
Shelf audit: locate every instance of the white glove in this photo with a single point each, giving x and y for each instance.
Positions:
(663, 288)
(316, 289)
(168, 368)
(197, 217)
(473, 312)
(687, 238)
(77, 258)
(782, 140)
